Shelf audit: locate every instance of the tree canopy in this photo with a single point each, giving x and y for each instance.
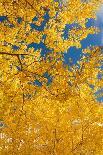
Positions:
(48, 106)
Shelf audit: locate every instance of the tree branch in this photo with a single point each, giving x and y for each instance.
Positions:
(13, 54)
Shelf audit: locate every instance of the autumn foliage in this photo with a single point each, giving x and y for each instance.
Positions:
(47, 106)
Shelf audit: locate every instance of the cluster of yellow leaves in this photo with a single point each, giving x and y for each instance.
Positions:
(58, 118)
(75, 11)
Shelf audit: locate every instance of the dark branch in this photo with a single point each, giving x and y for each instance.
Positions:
(13, 54)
